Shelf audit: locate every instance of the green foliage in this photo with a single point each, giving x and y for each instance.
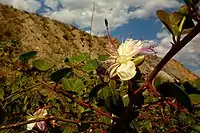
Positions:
(193, 89)
(1, 93)
(78, 58)
(58, 75)
(81, 92)
(175, 22)
(102, 57)
(139, 60)
(73, 84)
(126, 100)
(170, 20)
(26, 56)
(42, 64)
(90, 65)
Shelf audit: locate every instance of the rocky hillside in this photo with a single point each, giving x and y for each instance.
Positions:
(56, 41)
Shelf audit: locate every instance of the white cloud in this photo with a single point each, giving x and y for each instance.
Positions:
(80, 11)
(197, 72)
(147, 8)
(27, 5)
(186, 56)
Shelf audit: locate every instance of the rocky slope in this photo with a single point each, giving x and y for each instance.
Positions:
(56, 41)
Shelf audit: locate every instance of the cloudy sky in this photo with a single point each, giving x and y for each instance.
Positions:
(129, 18)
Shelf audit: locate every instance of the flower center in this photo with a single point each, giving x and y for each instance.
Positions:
(123, 59)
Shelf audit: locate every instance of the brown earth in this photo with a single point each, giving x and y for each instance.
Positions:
(56, 41)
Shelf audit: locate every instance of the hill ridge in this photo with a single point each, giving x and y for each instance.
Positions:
(56, 41)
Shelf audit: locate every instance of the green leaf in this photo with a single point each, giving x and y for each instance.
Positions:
(126, 100)
(162, 77)
(175, 19)
(184, 10)
(90, 65)
(102, 57)
(196, 84)
(1, 93)
(42, 64)
(195, 98)
(170, 20)
(104, 92)
(79, 58)
(81, 109)
(73, 84)
(112, 101)
(67, 130)
(173, 90)
(27, 56)
(18, 81)
(192, 87)
(164, 17)
(96, 89)
(58, 75)
(139, 60)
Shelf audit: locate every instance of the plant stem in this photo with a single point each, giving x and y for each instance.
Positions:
(48, 119)
(174, 50)
(122, 125)
(72, 97)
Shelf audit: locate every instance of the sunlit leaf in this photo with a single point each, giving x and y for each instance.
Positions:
(164, 17)
(184, 10)
(27, 56)
(42, 64)
(73, 84)
(175, 19)
(1, 93)
(102, 57)
(104, 92)
(81, 109)
(195, 98)
(58, 75)
(90, 65)
(162, 77)
(78, 58)
(170, 20)
(139, 60)
(126, 100)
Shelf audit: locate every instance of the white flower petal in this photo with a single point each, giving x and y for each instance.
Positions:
(112, 69)
(40, 112)
(31, 125)
(130, 48)
(126, 70)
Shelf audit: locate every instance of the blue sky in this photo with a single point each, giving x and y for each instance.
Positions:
(131, 18)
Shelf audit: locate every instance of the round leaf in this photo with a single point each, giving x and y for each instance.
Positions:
(58, 75)
(195, 98)
(102, 57)
(73, 84)
(78, 58)
(90, 65)
(42, 64)
(27, 56)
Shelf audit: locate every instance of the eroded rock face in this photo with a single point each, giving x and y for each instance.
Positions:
(56, 41)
